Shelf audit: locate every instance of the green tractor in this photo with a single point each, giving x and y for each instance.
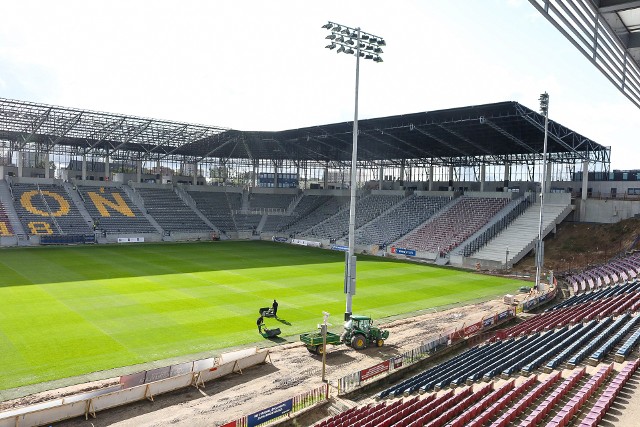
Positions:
(359, 333)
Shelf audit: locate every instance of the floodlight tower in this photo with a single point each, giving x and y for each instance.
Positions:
(353, 41)
(544, 109)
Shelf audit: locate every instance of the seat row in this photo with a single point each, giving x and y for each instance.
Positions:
(544, 407)
(591, 346)
(614, 290)
(606, 348)
(584, 312)
(574, 405)
(554, 402)
(602, 405)
(626, 348)
(621, 269)
(451, 227)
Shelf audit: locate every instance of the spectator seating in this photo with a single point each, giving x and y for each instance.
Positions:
(47, 209)
(540, 412)
(621, 269)
(591, 346)
(535, 359)
(218, 207)
(502, 403)
(606, 348)
(553, 402)
(472, 412)
(247, 222)
(169, 211)
(624, 288)
(273, 223)
(526, 401)
(270, 201)
(113, 211)
(574, 405)
(589, 331)
(602, 405)
(583, 312)
(628, 346)
(400, 220)
(5, 224)
(312, 210)
(454, 225)
(505, 357)
(367, 209)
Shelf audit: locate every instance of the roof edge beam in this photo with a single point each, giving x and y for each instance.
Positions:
(605, 6)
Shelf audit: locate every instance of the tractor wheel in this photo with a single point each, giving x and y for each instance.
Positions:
(311, 349)
(319, 350)
(358, 342)
(380, 342)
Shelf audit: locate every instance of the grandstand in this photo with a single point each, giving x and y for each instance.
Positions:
(440, 214)
(453, 225)
(113, 211)
(170, 212)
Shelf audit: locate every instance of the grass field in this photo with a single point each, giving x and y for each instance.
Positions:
(67, 311)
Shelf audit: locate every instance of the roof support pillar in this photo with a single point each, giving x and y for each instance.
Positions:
(139, 171)
(46, 165)
(450, 177)
(483, 174)
(326, 176)
(380, 176)
(254, 174)
(402, 172)
(547, 184)
(507, 175)
(585, 179)
(195, 173)
(84, 167)
(431, 177)
(107, 172)
(19, 161)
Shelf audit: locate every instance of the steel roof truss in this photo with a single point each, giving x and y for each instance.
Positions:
(36, 124)
(509, 135)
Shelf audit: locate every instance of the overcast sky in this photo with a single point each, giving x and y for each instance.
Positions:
(262, 65)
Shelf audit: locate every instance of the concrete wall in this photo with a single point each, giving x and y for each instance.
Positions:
(606, 211)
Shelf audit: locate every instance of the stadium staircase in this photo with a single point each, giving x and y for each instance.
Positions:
(263, 220)
(74, 195)
(136, 199)
(521, 236)
(294, 203)
(7, 200)
(188, 200)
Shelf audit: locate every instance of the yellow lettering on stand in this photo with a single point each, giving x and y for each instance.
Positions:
(39, 227)
(27, 196)
(101, 203)
(4, 230)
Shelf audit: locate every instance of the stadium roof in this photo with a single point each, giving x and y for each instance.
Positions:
(491, 134)
(607, 32)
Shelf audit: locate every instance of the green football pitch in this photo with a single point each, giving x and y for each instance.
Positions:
(69, 311)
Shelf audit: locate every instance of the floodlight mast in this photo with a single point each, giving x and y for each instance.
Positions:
(544, 109)
(344, 38)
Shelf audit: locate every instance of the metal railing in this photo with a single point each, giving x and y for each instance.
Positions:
(496, 228)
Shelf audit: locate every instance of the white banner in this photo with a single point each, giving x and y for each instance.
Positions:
(130, 239)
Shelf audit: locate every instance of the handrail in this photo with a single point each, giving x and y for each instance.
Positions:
(493, 230)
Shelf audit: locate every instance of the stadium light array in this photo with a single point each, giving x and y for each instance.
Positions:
(345, 37)
(353, 41)
(544, 110)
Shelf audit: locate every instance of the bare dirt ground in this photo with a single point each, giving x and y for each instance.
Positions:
(292, 370)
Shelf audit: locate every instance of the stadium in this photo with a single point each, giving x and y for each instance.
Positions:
(137, 253)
